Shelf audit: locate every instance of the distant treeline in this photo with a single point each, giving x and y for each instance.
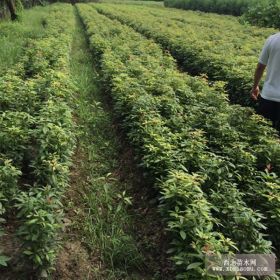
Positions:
(258, 12)
(228, 7)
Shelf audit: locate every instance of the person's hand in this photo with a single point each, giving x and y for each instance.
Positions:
(255, 92)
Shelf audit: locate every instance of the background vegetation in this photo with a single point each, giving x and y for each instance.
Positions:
(258, 12)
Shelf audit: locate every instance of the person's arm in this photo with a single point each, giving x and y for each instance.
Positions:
(257, 78)
(263, 60)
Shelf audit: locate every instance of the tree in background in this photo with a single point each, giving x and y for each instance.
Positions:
(14, 7)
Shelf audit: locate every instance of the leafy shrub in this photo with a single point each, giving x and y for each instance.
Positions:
(40, 211)
(15, 132)
(263, 14)
(191, 224)
(9, 176)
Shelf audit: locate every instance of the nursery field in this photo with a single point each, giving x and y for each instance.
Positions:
(129, 146)
(218, 46)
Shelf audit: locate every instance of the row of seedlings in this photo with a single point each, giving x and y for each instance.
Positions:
(37, 140)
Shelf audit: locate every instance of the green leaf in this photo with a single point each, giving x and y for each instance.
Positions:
(194, 265)
(27, 252)
(4, 260)
(183, 234)
(38, 259)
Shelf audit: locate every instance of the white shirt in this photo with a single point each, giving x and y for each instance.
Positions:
(270, 56)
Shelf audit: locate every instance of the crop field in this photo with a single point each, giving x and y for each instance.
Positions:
(129, 145)
(199, 43)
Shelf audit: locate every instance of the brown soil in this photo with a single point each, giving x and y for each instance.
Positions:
(149, 230)
(74, 261)
(10, 246)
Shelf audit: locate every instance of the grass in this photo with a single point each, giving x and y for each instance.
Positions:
(14, 35)
(107, 225)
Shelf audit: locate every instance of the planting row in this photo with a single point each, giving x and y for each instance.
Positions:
(36, 139)
(207, 164)
(199, 43)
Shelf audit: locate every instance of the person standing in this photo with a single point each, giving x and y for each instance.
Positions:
(269, 97)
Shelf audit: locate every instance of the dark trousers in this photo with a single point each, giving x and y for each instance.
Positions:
(270, 110)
